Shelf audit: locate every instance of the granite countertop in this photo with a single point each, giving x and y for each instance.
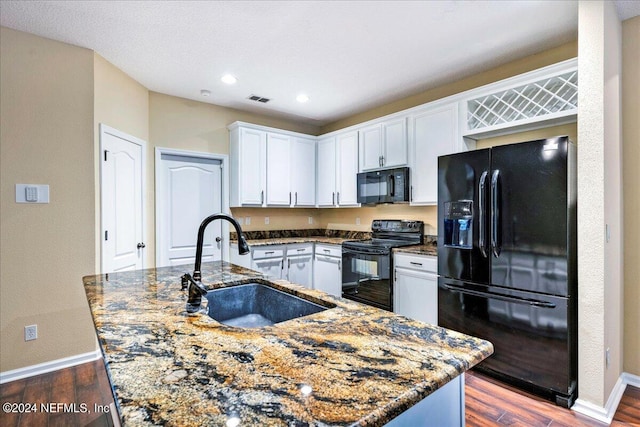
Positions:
(333, 237)
(365, 366)
(291, 240)
(284, 237)
(430, 249)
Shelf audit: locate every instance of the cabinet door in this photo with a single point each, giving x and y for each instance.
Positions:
(303, 172)
(278, 172)
(327, 275)
(433, 134)
(252, 165)
(371, 147)
(299, 269)
(416, 295)
(347, 176)
(395, 143)
(271, 267)
(326, 183)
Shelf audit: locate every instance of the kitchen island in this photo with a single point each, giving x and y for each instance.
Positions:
(348, 365)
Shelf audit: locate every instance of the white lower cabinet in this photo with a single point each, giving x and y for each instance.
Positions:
(415, 292)
(292, 262)
(299, 264)
(443, 407)
(327, 269)
(269, 260)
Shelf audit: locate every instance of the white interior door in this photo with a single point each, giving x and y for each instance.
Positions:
(122, 171)
(188, 190)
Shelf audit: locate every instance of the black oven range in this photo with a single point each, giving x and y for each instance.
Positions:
(367, 265)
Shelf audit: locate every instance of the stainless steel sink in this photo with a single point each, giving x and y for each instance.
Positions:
(254, 305)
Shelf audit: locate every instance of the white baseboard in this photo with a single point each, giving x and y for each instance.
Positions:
(607, 413)
(630, 379)
(54, 365)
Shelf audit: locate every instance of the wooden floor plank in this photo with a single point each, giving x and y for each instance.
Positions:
(36, 392)
(629, 407)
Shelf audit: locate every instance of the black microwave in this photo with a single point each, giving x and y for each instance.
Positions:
(383, 186)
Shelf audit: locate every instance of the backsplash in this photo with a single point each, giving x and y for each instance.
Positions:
(312, 232)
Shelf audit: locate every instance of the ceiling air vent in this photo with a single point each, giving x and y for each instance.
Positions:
(258, 99)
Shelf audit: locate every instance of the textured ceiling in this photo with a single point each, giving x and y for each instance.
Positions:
(347, 56)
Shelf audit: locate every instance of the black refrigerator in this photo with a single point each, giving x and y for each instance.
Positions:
(507, 264)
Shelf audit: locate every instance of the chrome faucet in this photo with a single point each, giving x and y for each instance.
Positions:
(196, 288)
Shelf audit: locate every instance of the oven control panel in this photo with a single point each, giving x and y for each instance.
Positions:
(397, 226)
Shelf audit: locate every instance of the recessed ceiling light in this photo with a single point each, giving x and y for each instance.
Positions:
(228, 79)
(205, 92)
(302, 98)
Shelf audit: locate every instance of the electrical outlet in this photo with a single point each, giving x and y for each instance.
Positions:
(30, 332)
(358, 221)
(266, 220)
(247, 220)
(310, 220)
(607, 357)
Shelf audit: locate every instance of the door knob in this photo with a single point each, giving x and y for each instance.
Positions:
(141, 245)
(218, 239)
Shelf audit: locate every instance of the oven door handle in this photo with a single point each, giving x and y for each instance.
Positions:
(364, 252)
(501, 297)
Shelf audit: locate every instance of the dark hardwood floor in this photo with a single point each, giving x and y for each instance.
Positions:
(86, 386)
(488, 402)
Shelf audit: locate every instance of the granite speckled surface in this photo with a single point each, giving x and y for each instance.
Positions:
(427, 249)
(283, 237)
(364, 365)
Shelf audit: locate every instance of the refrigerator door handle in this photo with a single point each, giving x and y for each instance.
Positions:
(501, 297)
(495, 213)
(482, 209)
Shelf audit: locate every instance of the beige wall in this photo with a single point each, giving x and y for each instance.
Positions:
(46, 137)
(598, 204)
(346, 218)
(631, 191)
(279, 218)
(123, 104)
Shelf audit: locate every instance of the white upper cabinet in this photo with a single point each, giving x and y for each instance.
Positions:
(248, 151)
(269, 168)
(395, 143)
(434, 132)
(347, 169)
(303, 171)
(384, 145)
(278, 170)
(371, 147)
(338, 170)
(326, 180)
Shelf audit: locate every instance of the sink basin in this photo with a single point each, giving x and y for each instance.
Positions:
(254, 305)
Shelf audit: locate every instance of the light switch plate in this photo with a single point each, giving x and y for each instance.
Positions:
(32, 193)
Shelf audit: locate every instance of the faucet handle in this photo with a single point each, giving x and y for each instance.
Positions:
(184, 281)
